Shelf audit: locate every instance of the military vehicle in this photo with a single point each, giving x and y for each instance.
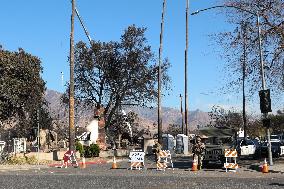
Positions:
(216, 141)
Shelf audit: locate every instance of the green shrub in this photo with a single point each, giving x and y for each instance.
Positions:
(32, 160)
(14, 160)
(80, 148)
(92, 151)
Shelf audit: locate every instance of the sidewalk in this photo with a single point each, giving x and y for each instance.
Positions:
(88, 161)
(7, 167)
(276, 168)
(21, 167)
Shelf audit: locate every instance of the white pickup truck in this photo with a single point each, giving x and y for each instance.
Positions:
(247, 147)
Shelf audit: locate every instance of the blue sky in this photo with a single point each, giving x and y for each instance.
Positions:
(42, 28)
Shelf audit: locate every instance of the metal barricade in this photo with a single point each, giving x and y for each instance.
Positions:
(231, 153)
(164, 158)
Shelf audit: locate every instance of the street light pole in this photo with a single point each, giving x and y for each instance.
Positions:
(185, 70)
(160, 140)
(71, 90)
(261, 62)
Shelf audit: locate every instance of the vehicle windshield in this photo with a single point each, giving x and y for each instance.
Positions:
(219, 140)
(272, 144)
(246, 142)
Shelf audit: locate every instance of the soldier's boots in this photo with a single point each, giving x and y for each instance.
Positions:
(199, 167)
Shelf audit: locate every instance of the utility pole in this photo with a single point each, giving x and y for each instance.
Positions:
(244, 29)
(182, 119)
(71, 90)
(160, 140)
(185, 69)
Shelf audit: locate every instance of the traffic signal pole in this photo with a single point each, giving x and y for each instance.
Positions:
(265, 115)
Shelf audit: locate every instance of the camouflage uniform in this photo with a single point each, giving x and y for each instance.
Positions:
(198, 150)
(156, 149)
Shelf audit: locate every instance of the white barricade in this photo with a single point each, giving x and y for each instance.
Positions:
(231, 153)
(164, 158)
(136, 160)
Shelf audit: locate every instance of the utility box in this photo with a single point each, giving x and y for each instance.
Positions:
(19, 145)
(168, 143)
(182, 144)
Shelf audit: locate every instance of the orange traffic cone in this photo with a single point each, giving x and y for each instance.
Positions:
(114, 166)
(194, 166)
(265, 167)
(83, 165)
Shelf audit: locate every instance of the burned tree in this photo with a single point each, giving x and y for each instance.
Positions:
(120, 73)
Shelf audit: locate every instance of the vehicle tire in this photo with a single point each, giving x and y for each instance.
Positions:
(205, 163)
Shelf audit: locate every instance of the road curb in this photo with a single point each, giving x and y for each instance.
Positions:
(100, 161)
(21, 167)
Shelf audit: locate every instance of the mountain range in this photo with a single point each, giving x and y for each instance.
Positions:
(147, 116)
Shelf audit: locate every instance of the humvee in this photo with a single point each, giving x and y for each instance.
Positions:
(216, 141)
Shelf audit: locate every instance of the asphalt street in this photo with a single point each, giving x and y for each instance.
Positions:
(101, 176)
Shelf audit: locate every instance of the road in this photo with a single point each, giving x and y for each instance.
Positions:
(101, 176)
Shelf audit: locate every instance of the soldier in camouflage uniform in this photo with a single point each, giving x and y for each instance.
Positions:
(156, 149)
(198, 150)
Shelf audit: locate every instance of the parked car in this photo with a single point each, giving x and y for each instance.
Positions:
(246, 148)
(275, 149)
(257, 144)
(275, 138)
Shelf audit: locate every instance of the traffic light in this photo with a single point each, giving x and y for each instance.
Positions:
(265, 101)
